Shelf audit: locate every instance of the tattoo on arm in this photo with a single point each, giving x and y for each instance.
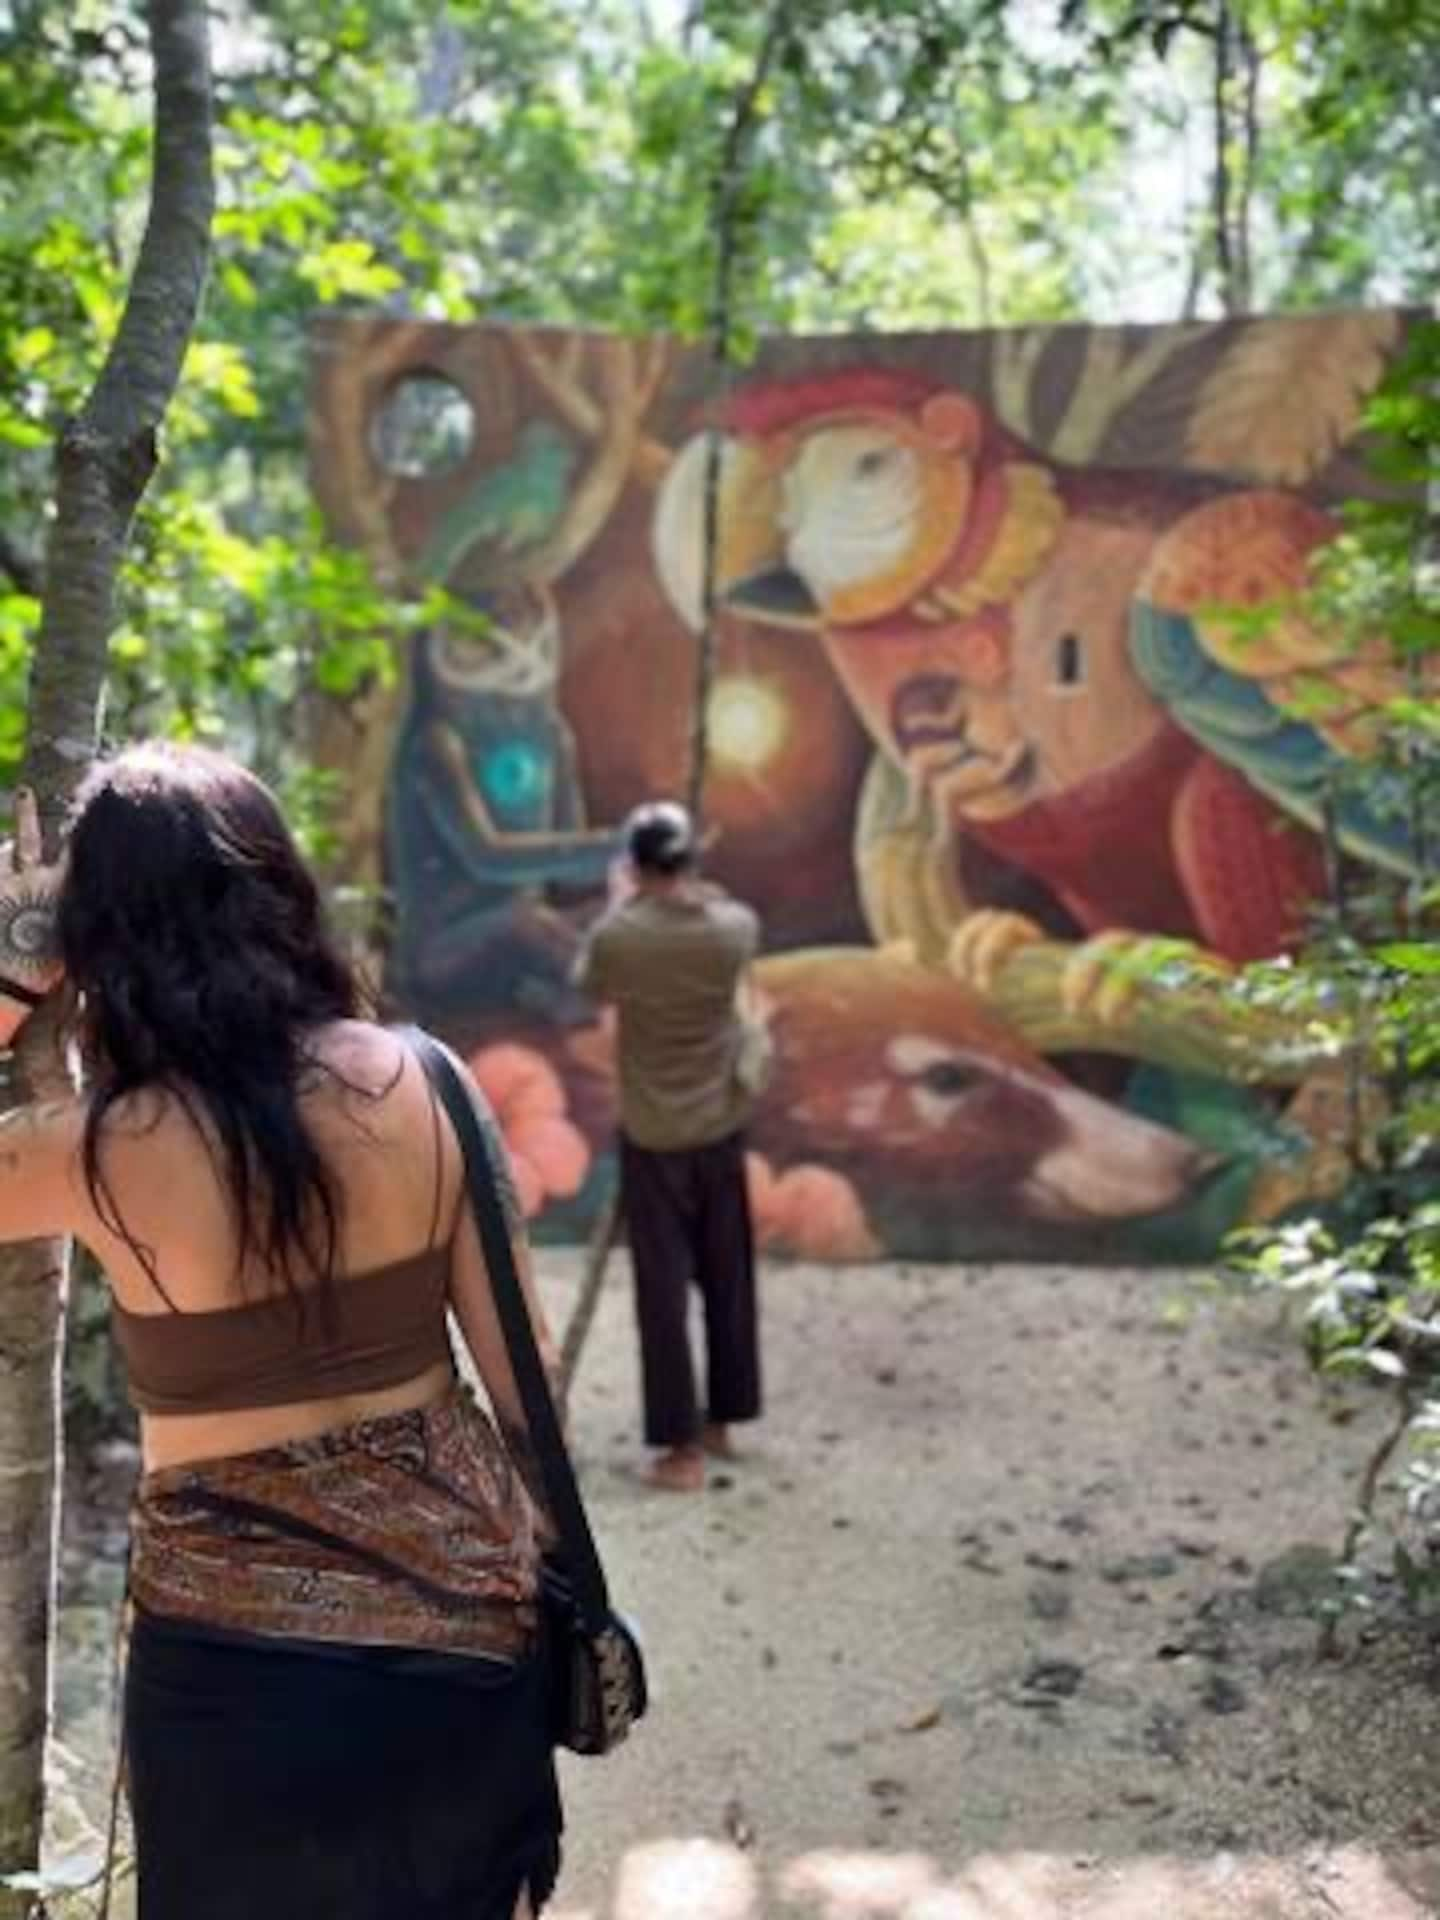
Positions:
(28, 942)
(19, 1126)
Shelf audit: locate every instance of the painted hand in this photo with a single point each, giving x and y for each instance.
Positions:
(982, 945)
(1108, 973)
(29, 958)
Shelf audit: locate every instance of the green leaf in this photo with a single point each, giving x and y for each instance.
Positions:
(1410, 956)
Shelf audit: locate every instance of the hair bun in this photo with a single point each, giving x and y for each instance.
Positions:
(660, 836)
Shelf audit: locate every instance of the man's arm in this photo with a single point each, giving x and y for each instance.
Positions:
(749, 931)
(742, 934)
(591, 972)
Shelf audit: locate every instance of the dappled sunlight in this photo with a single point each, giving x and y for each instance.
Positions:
(702, 1878)
(852, 1882)
(698, 1879)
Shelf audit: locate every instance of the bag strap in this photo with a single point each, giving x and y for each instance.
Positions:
(577, 1543)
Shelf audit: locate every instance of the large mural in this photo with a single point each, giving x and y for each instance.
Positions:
(1013, 695)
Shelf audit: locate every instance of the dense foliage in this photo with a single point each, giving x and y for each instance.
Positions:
(1369, 979)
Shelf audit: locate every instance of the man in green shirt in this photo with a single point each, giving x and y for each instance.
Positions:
(670, 954)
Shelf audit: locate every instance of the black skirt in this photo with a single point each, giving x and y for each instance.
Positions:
(287, 1780)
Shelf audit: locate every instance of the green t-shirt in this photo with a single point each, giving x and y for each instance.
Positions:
(671, 964)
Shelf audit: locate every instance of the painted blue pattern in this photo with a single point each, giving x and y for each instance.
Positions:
(1284, 757)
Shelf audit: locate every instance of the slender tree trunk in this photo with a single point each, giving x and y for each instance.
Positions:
(1252, 63)
(104, 460)
(725, 216)
(1235, 105)
(1223, 182)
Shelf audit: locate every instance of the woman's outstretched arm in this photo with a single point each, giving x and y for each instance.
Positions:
(40, 1184)
(39, 1143)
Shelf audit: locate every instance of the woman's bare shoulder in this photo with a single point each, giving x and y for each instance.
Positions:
(359, 1070)
(360, 1054)
(343, 1064)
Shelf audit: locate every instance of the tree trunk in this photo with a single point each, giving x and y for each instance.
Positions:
(104, 460)
(1222, 182)
(1236, 108)
(725, 207)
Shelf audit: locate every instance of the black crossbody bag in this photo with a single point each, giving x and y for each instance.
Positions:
(595, 1667)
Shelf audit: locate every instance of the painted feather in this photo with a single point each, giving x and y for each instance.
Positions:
(1288, 394)
(1283, 756)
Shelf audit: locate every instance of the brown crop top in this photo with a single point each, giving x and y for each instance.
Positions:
(374, 1330)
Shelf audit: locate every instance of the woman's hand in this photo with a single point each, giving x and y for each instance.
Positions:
(30, 967)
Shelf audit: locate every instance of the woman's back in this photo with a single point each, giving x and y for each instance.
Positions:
(368, 1109)
(226, 1357)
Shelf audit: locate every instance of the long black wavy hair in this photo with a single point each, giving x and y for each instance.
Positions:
(195, 939)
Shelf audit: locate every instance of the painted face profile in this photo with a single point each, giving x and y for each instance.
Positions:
(1068, 705)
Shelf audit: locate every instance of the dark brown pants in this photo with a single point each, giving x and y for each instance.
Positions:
(688, 1218)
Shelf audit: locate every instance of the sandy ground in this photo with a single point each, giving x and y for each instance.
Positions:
(1002, 1617)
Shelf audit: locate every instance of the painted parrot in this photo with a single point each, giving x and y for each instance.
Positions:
(1036, 649)
(1286, 705)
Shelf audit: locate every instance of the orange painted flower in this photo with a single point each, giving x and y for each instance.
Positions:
(809, 1212)
(548, 1154)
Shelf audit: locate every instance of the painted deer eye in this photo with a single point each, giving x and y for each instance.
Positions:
(1070, 660)
(874, 462)
(949, 1077)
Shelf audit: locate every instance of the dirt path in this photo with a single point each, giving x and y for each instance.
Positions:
(1002, 1619)
(998, 1623)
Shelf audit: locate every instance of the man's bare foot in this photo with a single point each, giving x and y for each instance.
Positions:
(716, 1441)
(681, 1470)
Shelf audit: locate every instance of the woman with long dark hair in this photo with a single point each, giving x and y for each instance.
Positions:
(333, 1701)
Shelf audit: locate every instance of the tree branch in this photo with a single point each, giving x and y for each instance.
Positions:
(949, 178)
(142, 369)
(107, 454)
(1195, 276)
(979, 264)
(104, 460)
